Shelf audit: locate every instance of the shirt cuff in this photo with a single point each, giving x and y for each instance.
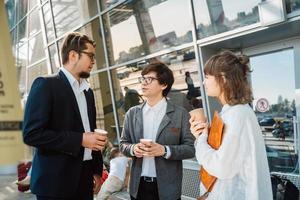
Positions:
(201, 139)
(131, 150)
(168, 155)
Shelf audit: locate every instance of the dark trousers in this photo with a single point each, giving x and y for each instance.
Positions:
(85, 187)
(147, 190)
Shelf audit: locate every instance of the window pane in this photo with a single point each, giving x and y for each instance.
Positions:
(21, 77)
(71, 13)
(32, 3)
(22, 55)
(107, 3)
(13, 41)
(59, 48)
(182, 94)
(36, 49)
(105, 117)
(138, 28)
(54, 59)
(35, 71)
(22, 32)
(22, 8)
(34, 22)
(21, 63)
(292, 5)
(218, 16)
(11, 12)
(48, 22)
(93, 31)
(275, 107)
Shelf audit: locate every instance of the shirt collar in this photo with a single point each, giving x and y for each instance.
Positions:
(73, 82)
(225, 108)
(157, 107)
(84, 85)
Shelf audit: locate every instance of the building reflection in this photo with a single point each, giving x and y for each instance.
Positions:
(141, 30)
(179, 62)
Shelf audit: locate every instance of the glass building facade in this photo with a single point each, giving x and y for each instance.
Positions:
(181, 33)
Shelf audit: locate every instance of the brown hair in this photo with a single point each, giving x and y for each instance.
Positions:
(163, 73)
(74, 41)
(231, 73)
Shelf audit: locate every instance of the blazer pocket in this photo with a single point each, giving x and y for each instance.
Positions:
(175, 130)
(173, 135)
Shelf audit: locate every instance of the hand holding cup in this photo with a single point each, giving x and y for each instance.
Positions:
(145, 145)
(198, 115)
(198, 122)
(95, 140)
(103, 136)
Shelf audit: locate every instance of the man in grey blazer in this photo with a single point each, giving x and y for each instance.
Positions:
(156, 171)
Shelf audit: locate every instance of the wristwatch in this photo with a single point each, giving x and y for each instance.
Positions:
(165, 154)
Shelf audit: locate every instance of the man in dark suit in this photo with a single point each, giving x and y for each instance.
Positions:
(60, 117)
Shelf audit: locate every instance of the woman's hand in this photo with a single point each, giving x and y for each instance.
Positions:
(198, 127)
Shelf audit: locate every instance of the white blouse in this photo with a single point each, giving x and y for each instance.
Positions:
(240, 164)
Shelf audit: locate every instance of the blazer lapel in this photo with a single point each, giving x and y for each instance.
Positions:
(71, 94)
(89, 108)
(166, 120)
(139, 122)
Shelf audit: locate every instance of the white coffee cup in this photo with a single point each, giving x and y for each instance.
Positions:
(100, 131)
(145, 141)
(198, 114)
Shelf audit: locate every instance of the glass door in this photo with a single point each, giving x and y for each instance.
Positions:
(273, 83)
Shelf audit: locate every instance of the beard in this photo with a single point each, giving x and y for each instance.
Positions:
(84, 74)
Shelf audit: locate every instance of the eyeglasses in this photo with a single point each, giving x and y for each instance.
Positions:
(146, 80)
(89, 54)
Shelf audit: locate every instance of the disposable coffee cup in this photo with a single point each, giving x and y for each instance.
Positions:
(143, 140)
(146, 142)
(198, 114)
(100, 131)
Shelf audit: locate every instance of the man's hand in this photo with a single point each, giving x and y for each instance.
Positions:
(97, 184)
(138, 151)
(153, 149)
(94, 141)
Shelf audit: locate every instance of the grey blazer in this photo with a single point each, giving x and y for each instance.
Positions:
(174, 131)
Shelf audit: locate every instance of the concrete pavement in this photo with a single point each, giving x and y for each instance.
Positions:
(9, 191)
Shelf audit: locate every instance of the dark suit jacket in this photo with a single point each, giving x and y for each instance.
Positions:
(52, 124)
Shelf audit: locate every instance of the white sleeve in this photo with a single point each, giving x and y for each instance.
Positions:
(131, 150)
(168, 155)
(226, 161)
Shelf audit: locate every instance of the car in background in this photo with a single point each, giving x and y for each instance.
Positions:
(267, 123)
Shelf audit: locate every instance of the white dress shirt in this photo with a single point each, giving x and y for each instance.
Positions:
(78, 90)
(240, 164)
(152, 117)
